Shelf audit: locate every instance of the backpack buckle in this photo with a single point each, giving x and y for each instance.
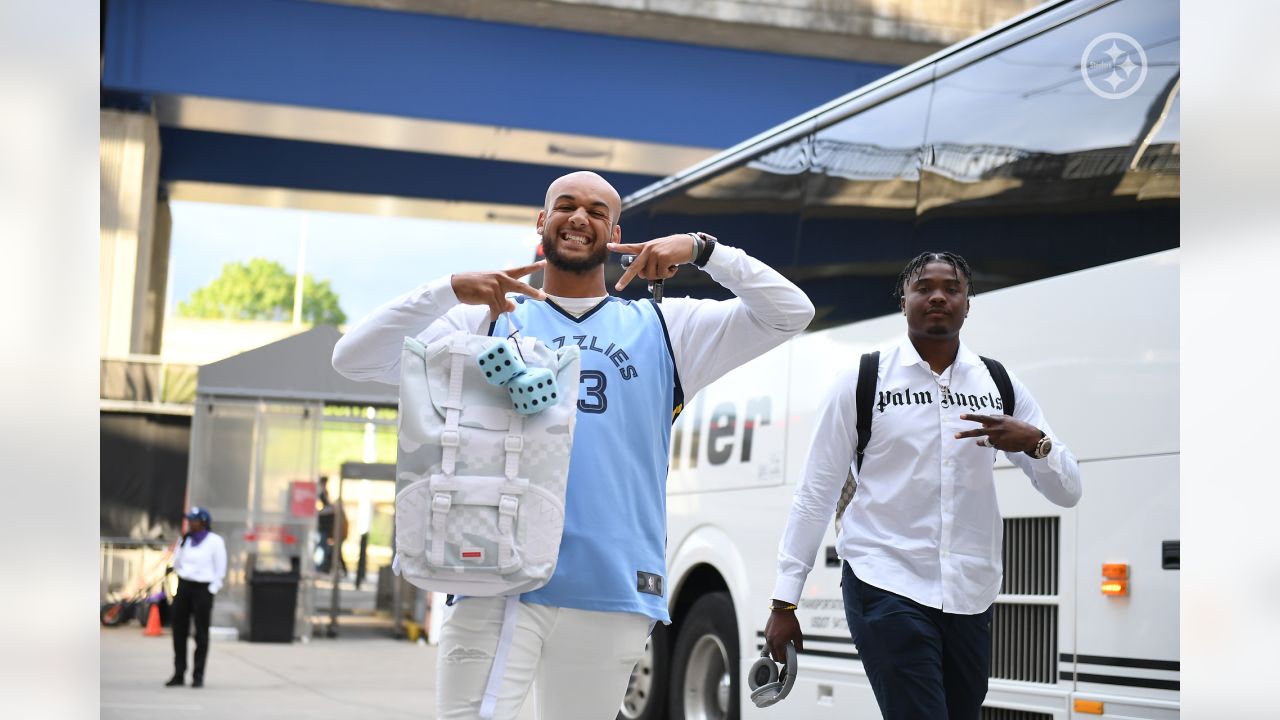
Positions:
(441, 502)
(508, 505)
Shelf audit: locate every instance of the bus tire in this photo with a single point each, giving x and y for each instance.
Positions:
(704, 677)
(646, 696)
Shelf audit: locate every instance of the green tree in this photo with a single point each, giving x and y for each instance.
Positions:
(262, 289)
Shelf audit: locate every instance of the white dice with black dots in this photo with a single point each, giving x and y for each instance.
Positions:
(531, 391)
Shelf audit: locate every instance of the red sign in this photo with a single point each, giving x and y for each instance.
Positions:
(270, 533)
(302, 498)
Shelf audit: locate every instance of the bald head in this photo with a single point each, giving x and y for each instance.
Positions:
(578, 222)
(582, 185)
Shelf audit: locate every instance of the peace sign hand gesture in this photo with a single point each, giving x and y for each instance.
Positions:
(491, 288)
(655, 260)
(1002, 432)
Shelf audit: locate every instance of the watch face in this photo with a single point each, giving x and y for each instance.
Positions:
(1042, 449)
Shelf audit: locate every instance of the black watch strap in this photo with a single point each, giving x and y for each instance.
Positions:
(708, 245)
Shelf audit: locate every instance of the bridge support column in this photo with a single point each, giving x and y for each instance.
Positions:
(133, 236)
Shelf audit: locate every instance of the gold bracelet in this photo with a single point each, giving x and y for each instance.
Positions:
(789, 607)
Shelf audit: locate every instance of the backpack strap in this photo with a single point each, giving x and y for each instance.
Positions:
(510, 616)
(509, 502)
(1003, 384)
(864, 396)
(450, 439)
(441, 502)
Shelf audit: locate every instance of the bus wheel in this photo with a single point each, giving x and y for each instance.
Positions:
(704, 677)
(647, 689)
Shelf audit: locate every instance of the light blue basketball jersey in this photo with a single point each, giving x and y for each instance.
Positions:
(613, 552)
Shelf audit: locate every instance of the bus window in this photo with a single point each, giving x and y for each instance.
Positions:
(1060, 152)
(754, 205)
(860, 208)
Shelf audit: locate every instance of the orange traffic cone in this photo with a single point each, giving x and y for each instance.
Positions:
(153, 622)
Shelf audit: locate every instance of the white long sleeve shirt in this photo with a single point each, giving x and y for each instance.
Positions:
(708, 337)
(924, 522)
(205, 563)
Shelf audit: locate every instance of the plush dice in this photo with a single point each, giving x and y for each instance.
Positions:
(500, 363)
(533, 391)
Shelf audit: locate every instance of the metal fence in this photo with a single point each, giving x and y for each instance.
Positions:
(126, 566)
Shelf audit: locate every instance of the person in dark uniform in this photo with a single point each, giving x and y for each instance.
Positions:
(328, 520)
(200, 562)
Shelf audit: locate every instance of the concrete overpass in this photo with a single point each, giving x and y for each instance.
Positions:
(321, 105)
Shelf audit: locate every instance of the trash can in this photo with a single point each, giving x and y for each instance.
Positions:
(273, 602)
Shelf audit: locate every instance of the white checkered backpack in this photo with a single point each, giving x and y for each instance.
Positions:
(480, 485)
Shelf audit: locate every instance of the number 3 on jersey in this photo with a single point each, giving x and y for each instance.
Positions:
(592, 399)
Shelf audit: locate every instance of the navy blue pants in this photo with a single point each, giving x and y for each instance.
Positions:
(923, 663)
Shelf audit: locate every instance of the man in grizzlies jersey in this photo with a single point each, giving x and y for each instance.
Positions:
(920, 539)
(577, 638)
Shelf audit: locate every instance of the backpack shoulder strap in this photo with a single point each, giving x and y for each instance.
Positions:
(1001, 378)
(864, 396)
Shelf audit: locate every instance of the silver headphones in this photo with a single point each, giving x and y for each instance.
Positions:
(768, 682)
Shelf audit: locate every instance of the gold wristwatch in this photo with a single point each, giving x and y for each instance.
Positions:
(1042, 448)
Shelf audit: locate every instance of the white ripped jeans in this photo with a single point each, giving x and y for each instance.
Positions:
(579, 661)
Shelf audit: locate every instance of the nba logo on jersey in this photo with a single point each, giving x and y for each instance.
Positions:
(649, 583)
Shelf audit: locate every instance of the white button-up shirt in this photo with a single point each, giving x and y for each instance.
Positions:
(924, 522)
(205, 563)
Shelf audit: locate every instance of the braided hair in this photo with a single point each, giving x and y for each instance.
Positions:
(918, 263)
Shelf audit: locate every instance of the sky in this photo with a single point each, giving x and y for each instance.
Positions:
(368, 259)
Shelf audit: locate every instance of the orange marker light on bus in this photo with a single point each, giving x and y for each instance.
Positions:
(1091, 707)
(1115, 571)
(1115, 587)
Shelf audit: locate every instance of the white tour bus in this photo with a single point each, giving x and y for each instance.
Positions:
(1016, 151)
